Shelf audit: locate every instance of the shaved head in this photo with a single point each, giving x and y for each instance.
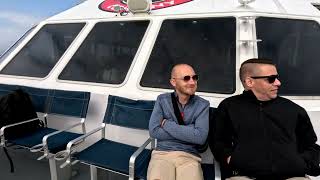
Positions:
(251, 67)
(179, 67)
(183, 87)
(261, 77)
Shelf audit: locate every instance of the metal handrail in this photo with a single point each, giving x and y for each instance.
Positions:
(135, 155)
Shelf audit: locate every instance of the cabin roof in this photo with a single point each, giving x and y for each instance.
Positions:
(93, 9)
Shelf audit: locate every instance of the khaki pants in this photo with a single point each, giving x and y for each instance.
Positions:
(174, 165)
(246, 178)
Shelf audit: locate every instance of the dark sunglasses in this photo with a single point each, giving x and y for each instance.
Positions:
(270, 78)
(187, 78)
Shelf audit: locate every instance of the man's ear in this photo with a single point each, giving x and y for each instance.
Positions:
(173, 82)
(248, 81)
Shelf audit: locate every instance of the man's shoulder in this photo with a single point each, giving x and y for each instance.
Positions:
(164, 96)
(288, 102)
(201, 100)
(232, 99)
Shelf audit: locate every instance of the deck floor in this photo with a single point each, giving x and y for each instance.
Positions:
(28, 168)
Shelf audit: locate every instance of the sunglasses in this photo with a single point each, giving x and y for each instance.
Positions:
(270, 78)
(188, 78)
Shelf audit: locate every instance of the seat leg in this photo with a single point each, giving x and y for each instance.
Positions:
(93, 172)
(59, 173)
(53, 169)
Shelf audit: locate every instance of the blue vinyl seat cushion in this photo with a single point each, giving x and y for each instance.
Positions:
(66, 103)
(115, 156)
(56, 143)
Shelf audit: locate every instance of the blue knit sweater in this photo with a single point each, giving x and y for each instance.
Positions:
(175, 137)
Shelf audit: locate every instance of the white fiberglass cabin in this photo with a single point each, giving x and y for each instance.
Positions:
(106, 47)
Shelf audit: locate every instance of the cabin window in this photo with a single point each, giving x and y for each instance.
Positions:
(107, 53)
(42, 52)
(293, 45)
(208, 44)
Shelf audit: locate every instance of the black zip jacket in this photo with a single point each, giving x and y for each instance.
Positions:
(266, 140)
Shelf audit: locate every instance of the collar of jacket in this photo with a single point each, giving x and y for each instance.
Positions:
(250, 95)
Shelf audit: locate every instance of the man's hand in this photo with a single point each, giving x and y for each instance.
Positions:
(162, 122)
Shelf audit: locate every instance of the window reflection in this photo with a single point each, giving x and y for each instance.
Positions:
(294, 46)
(43, 51)
(206, 44)
(107, 53)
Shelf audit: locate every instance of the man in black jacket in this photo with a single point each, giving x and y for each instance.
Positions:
(259, 135)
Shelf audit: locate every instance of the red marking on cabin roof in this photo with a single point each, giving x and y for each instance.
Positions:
(109, 5)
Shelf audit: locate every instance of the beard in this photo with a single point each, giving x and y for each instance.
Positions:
(187, 90)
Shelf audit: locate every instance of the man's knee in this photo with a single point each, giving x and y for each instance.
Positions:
(189, 171)
(160, 170)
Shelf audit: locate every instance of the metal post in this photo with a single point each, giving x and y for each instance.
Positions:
(53, 169)
(59, 173)
(93, 172)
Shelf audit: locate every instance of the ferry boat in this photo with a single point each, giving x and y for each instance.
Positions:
(127, 48)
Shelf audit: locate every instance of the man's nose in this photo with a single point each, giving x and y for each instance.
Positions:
(191, 81)
(277, 82)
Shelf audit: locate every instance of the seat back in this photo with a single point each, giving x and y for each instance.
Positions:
(212, 114)
(211, 171)
(6, 89)
(128, 113)
(38, 96)
(69, 103)
(202, 148)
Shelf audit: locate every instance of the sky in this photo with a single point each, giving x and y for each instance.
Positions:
(17, 16)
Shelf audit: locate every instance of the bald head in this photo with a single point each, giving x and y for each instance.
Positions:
(177, 69)
(183, 80)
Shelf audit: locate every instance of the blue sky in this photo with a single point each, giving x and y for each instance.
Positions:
(17, 16)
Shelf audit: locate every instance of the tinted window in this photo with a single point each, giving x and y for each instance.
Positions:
(206, 44)
(43, 51)
(107, 53)
(294, 46)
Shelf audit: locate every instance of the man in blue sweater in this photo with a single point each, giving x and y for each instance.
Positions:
(176, 156)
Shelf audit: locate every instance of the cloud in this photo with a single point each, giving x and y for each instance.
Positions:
(13, 25)
(9, 35)
(19, 19)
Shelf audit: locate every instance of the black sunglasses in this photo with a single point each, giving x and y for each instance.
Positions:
(270, 78)
(187, 78)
